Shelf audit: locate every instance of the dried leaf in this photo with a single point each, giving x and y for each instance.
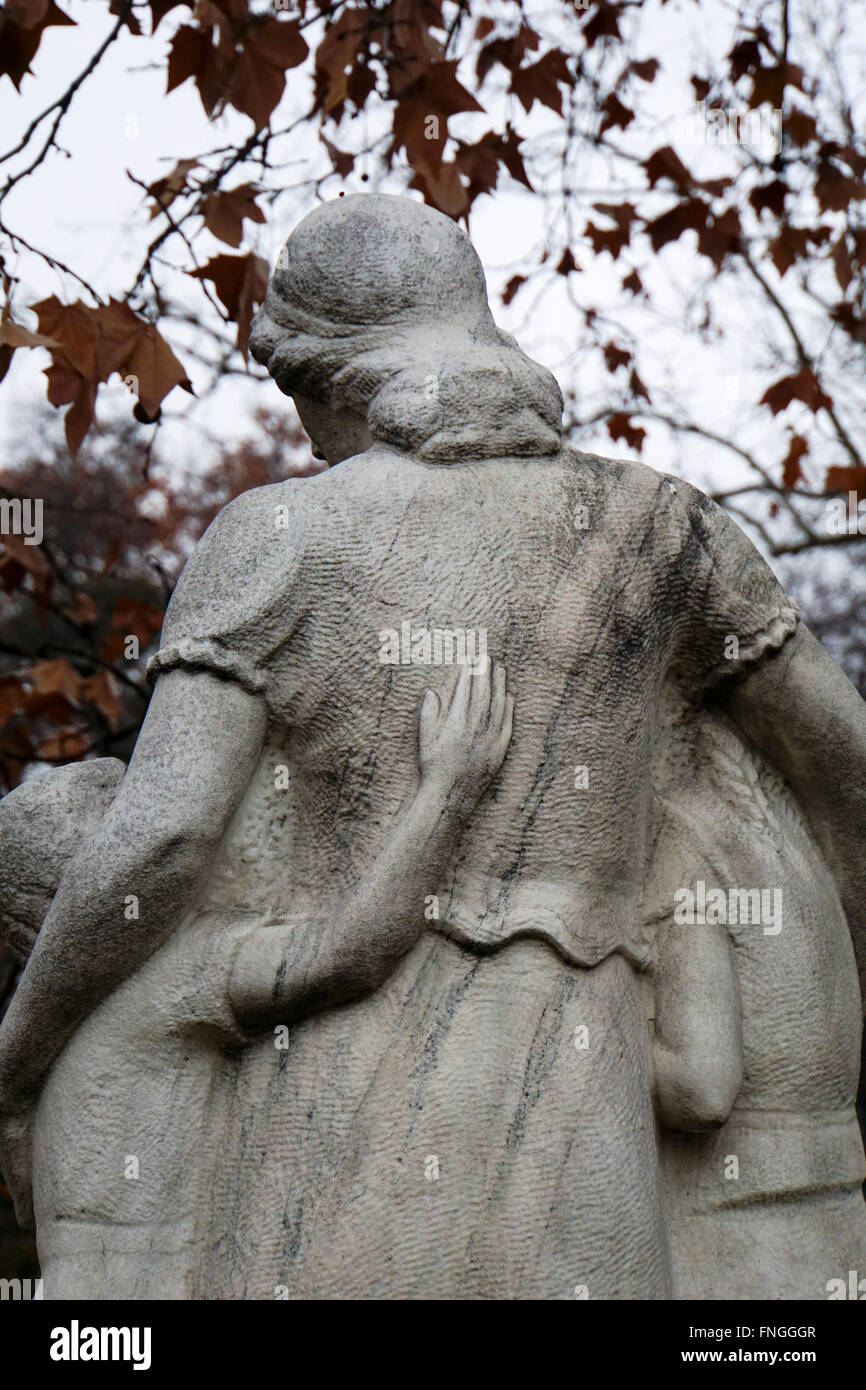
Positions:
(240, 282)
(224, 212)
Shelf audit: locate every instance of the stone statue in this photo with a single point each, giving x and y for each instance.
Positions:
(475, 916)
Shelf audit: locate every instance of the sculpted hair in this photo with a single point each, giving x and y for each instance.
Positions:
(429, 369)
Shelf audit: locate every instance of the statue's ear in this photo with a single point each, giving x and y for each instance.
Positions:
(42, 824)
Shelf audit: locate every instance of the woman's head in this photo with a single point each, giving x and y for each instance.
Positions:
(377, 314)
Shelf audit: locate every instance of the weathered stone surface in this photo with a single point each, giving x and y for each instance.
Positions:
(354, 989)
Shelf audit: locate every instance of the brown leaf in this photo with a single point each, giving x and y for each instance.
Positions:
(440, 183)
(791, 472)
(846, 479)
(130, 19)
(259, 81)
(633, 283)
(802, 386)
(603, 23)
(616, 357)
(240, 282)
(194, 53)
(130, 618)
(81, 609)
(512, 287)
(842, 263)
(800, 126)
(665, 163)
(508, 51)
(101, 690)
(690, 215)
(20, 40)
(719, 236)
(646, 69)
(74, 327)
(566, 263)
(790, 245)
(165, 190)
(636, 386)
(512, 158)
(160, 8)
(619, 426)
(67, 743)
(155, 368)
(55, 678)
(15, 336)
(540, 81)
(224, 212)
(343, 162)
(616, 115)
(770, 196)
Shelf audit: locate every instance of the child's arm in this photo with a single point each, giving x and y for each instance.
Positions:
(129, 884)
(698, 1045)
(289, 970)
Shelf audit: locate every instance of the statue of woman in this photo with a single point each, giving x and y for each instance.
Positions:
(480, 1122)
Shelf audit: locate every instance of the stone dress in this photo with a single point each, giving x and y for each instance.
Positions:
(482, 1125)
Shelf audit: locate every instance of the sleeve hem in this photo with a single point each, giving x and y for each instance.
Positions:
(202, 655)
(769, 639)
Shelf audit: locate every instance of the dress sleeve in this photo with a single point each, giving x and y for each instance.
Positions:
(735, 611)
(232, 608)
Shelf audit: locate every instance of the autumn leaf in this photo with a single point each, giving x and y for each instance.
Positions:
(15, 335)
(160, 8)
(802, 386)
(155, 370)
(616, 357)
(343, 162)
(259, 79)
(616, 116)
(846, 479)
(633, 283)
(196, 53)
(68, 743)
(791, 471)
(512, 287)
(440, 183)
(619, 426)
(130, 618)
(646, 69)
(690, 215)
(91, 345)
(240, 282)
(21, 37)
(81, 609)
(165, 190)
(665, 163)
(337, 62)
(508, 51)
(842, 263)
(224, 213)
(540, 81)
(511, 157)
(101, 690)
(770, 197)
(55, 677)
(18, 559)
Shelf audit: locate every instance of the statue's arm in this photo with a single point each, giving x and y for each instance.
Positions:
(193, 760)
(801, 710)
(697, 1042)
(289, 970)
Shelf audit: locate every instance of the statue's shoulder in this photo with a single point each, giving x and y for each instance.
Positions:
(643, 486)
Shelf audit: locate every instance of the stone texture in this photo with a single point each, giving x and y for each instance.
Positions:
(406, 1010)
